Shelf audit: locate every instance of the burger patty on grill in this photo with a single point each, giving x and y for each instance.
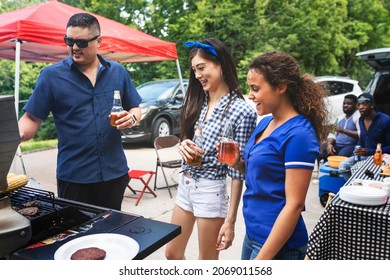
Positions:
(29, 211)
(31, 203)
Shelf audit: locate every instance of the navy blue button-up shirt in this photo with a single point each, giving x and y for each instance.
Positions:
(89, 149)
(378, 132)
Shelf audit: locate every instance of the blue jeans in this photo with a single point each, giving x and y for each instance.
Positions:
(251, 248)
(345, 166)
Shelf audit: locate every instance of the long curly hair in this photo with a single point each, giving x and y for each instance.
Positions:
(306, 96)
(195, 95)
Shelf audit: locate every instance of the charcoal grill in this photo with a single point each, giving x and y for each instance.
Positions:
(54, 216)
(58, 220)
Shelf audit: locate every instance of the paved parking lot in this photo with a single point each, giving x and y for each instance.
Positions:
(42, 167)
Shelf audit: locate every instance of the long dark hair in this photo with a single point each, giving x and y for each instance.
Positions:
(195, 95)
(306, 96)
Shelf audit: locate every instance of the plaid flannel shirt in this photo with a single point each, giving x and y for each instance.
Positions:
(243, 118)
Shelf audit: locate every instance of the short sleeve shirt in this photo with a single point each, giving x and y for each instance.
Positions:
(352, 123)
(243, 118)
(89, 149)
(292, 145)
(378, 132)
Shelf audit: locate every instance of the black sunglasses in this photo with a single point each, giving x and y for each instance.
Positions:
(81, 43)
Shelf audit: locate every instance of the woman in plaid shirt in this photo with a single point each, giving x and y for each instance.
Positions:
(213, 98)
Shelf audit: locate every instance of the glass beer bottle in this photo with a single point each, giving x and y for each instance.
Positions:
(198, 140)
(228, 147)
(378, 154)
(116, 108)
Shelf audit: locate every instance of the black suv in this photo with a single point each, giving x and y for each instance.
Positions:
(379, 86)
(161, 107)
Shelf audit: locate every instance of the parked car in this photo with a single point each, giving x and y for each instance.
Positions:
(338, 88)
(379, 85)
(161, 107)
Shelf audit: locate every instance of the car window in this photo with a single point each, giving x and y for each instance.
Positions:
(179, 94)
(154, 91)
(336, 87)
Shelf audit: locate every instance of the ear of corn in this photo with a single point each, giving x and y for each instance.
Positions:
(16, 182)
(9, 175)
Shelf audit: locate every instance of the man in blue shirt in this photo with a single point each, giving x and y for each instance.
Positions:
(78, 91)
(345, 136)
(374, 129)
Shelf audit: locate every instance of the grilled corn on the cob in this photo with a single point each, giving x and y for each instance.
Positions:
(16, 181)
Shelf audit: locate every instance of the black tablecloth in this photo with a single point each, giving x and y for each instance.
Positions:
(351, 231)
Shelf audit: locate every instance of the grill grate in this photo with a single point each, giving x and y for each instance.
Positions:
(44, 200)
(52, 216)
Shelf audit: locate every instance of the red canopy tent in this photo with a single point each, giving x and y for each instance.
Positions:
(36, 34)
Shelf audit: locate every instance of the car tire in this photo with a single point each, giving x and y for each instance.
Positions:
(161, 127)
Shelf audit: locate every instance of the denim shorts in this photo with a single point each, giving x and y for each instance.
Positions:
(203, 197)
(251, 248)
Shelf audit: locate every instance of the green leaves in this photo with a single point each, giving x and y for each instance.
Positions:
(324, 35)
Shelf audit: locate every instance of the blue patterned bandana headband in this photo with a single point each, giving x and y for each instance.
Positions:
(206, 47)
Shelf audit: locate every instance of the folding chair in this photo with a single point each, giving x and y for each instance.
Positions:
(168, 156)
(139, 175)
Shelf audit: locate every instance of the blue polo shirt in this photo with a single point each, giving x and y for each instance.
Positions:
(291, 145)
(89, 149)
(378, 132)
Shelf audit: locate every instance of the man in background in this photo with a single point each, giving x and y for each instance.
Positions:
(374, 129)
(343, 139)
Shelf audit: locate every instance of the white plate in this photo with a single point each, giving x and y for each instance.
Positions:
(373, 183)
(117, 246)
(363, 195)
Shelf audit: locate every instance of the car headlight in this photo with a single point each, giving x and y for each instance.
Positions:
(146, 110)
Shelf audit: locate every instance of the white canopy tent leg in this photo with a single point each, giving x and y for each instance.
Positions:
(18, 154)
(180, 76)
(17, 75)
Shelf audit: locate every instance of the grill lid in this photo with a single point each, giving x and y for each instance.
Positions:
(9, 137)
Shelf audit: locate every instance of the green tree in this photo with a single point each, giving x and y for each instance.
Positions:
(10, 5)
(324, 35)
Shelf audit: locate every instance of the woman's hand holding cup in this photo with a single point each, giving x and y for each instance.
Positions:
(191, 152)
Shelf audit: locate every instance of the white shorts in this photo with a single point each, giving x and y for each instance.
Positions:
(205, 198)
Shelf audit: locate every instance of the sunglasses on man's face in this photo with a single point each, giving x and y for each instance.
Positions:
(81, 43)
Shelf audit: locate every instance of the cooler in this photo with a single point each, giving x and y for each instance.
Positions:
(330, 180)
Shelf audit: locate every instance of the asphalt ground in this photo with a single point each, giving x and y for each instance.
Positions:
(41, 166)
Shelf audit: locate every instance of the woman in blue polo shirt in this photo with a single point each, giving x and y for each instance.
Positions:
(279, 156)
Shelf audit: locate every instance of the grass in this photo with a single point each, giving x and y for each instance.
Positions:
(33, 145)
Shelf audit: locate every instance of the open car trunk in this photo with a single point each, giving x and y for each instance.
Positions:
(379, 86)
